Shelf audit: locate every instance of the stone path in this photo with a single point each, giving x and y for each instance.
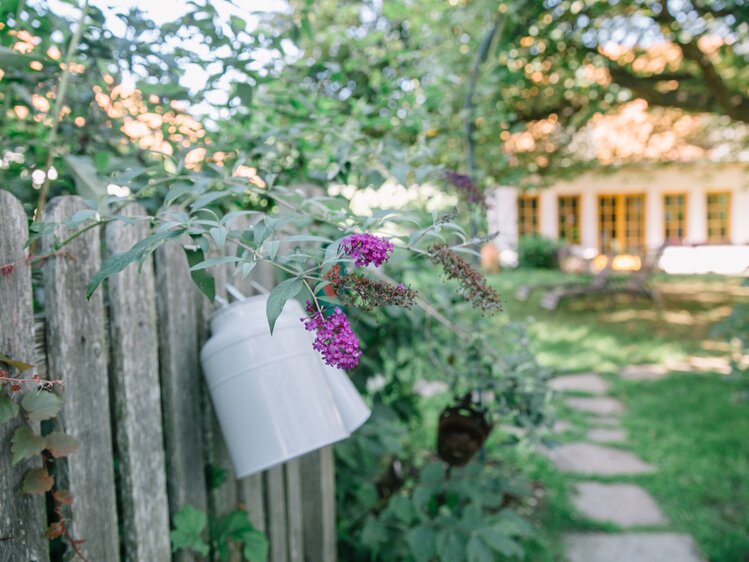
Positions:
(626, 505)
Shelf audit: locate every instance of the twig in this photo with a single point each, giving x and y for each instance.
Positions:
(59, 100)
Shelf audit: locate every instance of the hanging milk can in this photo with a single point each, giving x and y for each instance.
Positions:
(274, 397)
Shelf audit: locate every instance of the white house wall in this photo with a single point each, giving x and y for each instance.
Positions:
(694, 180)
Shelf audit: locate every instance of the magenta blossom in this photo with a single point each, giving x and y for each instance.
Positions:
(334, 339)
(367, 249)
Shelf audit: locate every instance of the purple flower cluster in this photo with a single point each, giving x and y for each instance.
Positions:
(335, 340)
(467, 188)
(367, 249)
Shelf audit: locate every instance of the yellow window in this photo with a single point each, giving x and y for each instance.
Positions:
(621, 223)
(718, 217)
(527, 215)
(674, 217)
(569, 218)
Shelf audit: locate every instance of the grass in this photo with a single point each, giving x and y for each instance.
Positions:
(687, 424)
(699, 440)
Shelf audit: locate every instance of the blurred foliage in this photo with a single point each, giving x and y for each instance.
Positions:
(734, 329)
(395, 502)
(538, 252)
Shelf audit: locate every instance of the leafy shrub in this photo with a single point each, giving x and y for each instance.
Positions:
(537, 251)
(449, 516)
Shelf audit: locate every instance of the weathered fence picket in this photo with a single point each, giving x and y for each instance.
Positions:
(135, 376)
(134, 368)
(22, 518)
(77, 353)
(180, 382)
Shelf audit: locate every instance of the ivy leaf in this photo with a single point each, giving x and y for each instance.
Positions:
(37, 481)
(63, 496)
(25, 444)
(54, 530)
(203, 279)
(255, 546)
(189, 524)
(277, 299)
(8, 408)
(61, 444)
(41, 405)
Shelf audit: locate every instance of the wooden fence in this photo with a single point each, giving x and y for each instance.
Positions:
(135, 399)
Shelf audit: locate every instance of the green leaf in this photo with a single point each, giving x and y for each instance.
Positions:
(219, 236)
(272, 248)
(101, 161)
(278, 296)
(61, 444)
(450, 547)
(37, 481)
(20, 365)
(41, 405)
(8, 408)
(189, 524)
(202, 278)
(477, 550)
(26, 444)
(255, 546)
(498, 541)
(214, 262)
(421, 542)
(139, 252)
(245, 92)
(11, 58)
(88, 183)
(432, 474)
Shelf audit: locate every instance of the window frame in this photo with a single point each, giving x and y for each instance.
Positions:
(524, 213)
(621, 226)
(562, 234)
(729, 209)
(685, 215)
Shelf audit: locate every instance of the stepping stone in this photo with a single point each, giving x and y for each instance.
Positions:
(626, 505)
(601, 405)
(694, 364)
(630, 547)
(587, 382)
(610, 421)
(561, 426)
(607, 435)
(643, 372)
(589, 458)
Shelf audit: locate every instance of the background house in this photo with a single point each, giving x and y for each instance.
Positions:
(644, 193)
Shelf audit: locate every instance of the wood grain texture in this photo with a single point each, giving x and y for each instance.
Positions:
(22, 518)
(318, 501)
(222, 497)
(275, 501)
(180, 383)
(76, 353)
(294, 510)
(135, 377)
(252, 497)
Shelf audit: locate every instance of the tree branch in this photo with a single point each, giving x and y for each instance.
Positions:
(468, 105)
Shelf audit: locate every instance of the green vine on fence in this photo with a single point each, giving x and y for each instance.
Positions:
(30, 400)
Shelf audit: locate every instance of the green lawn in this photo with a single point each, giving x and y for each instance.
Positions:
(687, 424)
